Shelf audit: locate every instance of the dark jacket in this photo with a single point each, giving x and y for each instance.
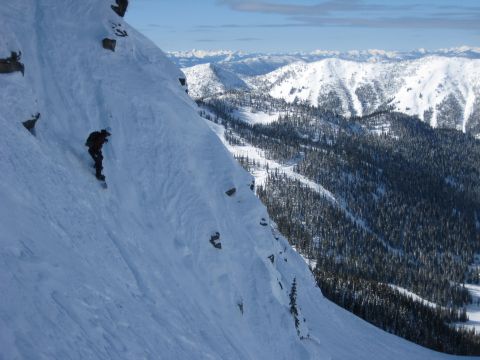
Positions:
(96, 140)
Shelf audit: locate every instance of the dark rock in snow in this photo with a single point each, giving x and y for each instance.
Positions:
(12, 64)
(121, 7)
(183, 82)
(272, 258)
(121, 33)
(214, 240)
(30, 124)
(231, 192)
(109, 44)
(117, 28)
(263, 222)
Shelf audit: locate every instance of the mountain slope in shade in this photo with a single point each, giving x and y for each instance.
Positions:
(129, 272)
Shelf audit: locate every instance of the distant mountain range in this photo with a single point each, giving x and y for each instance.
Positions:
(442, 87)
(244, 61)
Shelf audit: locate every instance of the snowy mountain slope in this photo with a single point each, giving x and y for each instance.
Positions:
(128, 272)
(442, 91)
(209, 79)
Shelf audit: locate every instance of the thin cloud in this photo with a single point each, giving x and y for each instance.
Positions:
(243, 39)
(400, 22)
(207, 40)
(392, 23)
(160, 26)
(248, 39)
(356, 13)
(324, 8)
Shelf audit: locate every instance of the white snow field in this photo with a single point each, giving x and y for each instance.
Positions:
(415, 87)
(128, 272)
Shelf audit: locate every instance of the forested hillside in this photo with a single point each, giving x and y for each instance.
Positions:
(403, 209)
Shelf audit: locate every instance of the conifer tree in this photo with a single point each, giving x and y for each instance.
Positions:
(293, 304)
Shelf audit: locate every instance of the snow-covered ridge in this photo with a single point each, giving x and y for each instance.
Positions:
(443, 91)
(129, 272)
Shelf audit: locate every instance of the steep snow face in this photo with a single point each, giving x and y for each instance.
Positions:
(128, 272)
(209, 79)
(442, 91)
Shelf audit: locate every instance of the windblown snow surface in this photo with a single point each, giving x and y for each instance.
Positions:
(128, 272)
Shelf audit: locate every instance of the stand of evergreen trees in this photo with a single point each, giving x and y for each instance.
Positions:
(398, 314)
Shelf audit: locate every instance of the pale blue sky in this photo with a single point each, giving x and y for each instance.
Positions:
(305, 25)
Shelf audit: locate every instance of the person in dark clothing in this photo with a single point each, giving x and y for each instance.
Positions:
(95, 143)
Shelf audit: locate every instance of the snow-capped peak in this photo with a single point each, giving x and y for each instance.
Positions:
(441, 90)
